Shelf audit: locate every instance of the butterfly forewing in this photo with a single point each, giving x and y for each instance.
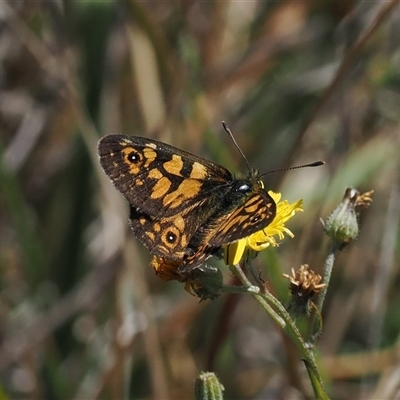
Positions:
(159, 179)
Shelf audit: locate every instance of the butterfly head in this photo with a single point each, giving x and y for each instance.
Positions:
(248, 181)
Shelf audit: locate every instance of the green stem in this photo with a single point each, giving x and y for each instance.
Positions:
(240, 289)
(253, 272)
(242, 276)
(328, 267)
(270, 303)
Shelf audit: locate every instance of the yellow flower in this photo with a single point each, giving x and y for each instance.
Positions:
(262, 239)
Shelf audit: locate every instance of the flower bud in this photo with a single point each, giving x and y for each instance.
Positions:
(207, 387)
(342, 224)
(205, 282)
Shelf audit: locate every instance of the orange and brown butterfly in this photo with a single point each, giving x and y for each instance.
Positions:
(183, 208)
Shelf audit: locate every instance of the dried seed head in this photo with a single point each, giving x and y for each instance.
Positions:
(304, 285)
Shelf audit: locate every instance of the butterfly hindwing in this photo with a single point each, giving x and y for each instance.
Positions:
(255, 214)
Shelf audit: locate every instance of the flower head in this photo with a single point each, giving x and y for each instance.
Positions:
(304, 285)
(263, 239)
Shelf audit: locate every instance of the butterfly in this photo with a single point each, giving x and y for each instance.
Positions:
(183, 208)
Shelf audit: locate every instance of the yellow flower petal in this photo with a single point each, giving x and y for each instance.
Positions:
(234, 252)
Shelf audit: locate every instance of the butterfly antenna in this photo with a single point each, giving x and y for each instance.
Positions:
(314, 164)
(228, 131)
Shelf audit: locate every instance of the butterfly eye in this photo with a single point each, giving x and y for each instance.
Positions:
(243, 188)
(254, 219)
(134, 157)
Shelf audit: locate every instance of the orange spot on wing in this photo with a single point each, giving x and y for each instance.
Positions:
(186, 190)
(160, 188)
(179, 223)
(155, 174)
(199, 171)
(150, 235)
(150, 155)
(174, 166)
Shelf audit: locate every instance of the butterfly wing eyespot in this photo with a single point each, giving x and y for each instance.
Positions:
(171, 237)
(133, 157)
(254, 219)
(182, 207)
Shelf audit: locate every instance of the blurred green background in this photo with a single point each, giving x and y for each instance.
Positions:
(82, 314)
